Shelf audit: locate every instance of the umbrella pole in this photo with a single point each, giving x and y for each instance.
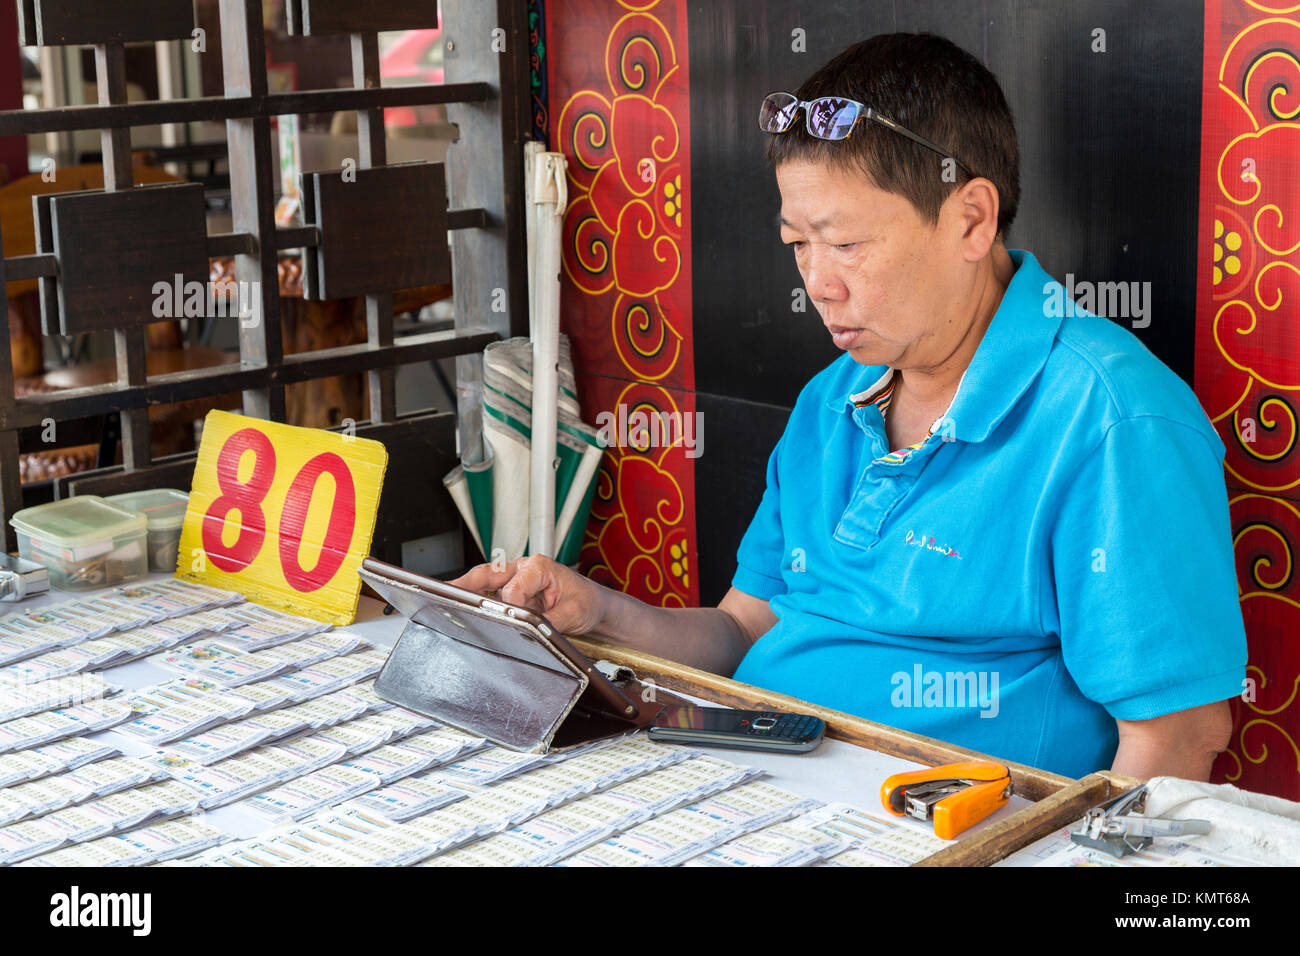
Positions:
(546, 198)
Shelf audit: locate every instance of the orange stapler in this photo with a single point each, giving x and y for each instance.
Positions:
(955, 795)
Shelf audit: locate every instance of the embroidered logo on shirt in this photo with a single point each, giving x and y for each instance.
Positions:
(928, 543)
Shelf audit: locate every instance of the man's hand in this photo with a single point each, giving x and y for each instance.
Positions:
(1182, 744)
(568, 600)
(710, 638)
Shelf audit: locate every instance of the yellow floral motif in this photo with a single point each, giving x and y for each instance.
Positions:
(673, 199)
(680, 565)
(1232, 242)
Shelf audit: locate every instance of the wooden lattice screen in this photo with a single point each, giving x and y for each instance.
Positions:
(99, 254)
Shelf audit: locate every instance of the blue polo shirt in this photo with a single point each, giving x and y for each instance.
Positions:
(1055, 556)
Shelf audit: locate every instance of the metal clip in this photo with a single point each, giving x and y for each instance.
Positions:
(1109, 827)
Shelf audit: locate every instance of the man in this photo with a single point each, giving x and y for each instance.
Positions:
(985, 522)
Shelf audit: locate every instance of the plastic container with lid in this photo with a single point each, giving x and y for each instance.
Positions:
(164, 508)
(85, 542)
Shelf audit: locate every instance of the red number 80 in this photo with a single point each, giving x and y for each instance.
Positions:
(246, 497)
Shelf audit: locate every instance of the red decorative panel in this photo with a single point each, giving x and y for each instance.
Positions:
(1264, 754)
(620, 114)
(1248, 355)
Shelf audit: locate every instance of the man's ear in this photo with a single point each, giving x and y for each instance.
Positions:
(977, 206)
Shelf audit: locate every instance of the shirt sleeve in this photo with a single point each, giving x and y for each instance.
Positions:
(762, 549)
(1142, 562)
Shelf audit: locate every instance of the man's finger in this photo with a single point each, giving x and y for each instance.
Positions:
(527, 585)
(483, 577)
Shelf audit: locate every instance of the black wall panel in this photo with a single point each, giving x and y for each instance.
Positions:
(1110, 147)
(729, 480)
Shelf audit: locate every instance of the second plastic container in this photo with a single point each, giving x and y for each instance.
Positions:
(165, 510)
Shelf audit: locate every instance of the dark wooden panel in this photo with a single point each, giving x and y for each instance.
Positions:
(414, 503)
(730, 478)
(174, 471)
(385, 230)
(319, 17)
(218, 108)
(75, 403)
(76, 22)
(114, 248)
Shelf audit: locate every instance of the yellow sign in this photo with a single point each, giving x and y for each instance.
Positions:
(282, 514)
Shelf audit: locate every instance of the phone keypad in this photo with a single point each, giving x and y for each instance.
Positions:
(771, 724)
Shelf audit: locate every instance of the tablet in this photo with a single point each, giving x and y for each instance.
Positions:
(488, 667)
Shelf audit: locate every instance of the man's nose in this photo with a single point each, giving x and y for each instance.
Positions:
(821, 278)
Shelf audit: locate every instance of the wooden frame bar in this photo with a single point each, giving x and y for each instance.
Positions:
(1059, 801)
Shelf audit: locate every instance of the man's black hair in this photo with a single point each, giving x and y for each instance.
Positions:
(934, 88)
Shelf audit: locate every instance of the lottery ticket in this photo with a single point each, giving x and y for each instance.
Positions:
(390, 763)
(258, 627)
(114, 774)
(874, 839)
(77, 752)
(308, 684)
(306, 755)
(23, 700)
(196, 596)
(189, 718)
(782, 844)
(108, 607)
(277, 724)
(142, 641)
(410, 798)
(265, 696)
(19, 841)
(529, 844)
(306, 795)
(491, 765)
(365, 690)
(179, 690)
(105, 851)
(38, 798)
(159, 603)
(327, 709)
(229, 780)
(174, 838)
(442, 745)
(71, 660)
(16, 647)
(26, 765)
(58, 625)
(357, 736)
(195, 657)
(222, 742)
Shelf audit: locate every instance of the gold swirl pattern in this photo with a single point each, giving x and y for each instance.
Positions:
(626, 295)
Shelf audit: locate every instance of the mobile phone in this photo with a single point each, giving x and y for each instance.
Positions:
(768, 730)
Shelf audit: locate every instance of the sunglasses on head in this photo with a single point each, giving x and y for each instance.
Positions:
(833, 117)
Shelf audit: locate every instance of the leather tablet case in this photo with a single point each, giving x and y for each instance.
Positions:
(493, 678)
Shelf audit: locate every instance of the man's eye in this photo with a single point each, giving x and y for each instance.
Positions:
(845, 246)
(797, 245)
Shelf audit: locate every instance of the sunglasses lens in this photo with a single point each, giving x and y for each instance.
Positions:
(777, 112)
(832, 118)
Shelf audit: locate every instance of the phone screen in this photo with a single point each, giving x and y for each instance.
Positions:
(724, 721)
(716, 719)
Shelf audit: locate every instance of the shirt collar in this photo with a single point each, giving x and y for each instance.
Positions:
(1012, 352)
